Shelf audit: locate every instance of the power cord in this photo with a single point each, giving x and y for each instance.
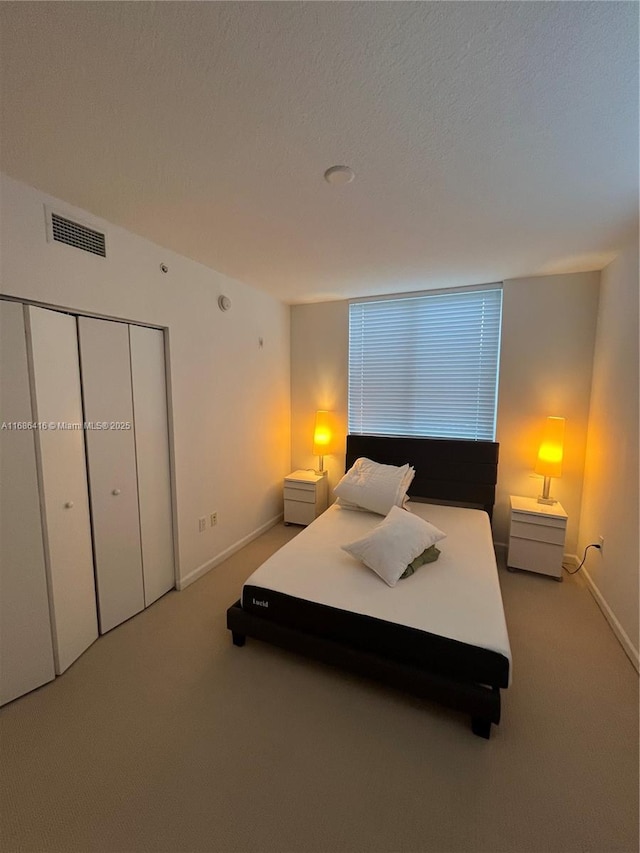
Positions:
(584, 557)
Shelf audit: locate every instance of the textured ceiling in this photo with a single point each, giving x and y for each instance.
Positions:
(489, 140)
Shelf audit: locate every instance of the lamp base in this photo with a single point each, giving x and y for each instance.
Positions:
(547, 501)
(545, 498)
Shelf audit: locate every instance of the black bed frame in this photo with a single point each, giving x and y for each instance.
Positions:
(447, 470)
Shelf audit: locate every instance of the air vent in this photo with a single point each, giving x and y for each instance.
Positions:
(64, 230)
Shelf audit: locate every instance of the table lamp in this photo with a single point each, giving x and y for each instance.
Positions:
(322, 437)
(549, 462)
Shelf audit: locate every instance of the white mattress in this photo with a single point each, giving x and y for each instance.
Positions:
(457, 597)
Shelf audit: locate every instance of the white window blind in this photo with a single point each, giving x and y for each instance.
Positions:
(425, 365)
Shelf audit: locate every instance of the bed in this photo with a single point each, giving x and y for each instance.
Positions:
(440, 634)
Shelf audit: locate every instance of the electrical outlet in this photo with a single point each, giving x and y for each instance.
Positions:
(213, 519)
(202, 525)
(601, 543)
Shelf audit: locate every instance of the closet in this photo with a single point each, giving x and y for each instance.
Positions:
(85, 486)
(26, 646)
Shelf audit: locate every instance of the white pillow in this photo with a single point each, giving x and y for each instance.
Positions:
(375, 487)
(395, 543)
(348, 505)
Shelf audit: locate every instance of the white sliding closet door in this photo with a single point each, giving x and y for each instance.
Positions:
(26, 651)
(152, 454)
(111, 454)
(63, 480)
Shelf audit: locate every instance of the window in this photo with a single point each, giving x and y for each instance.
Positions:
(425, 365)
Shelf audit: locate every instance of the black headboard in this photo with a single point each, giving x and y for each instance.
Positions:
(447, 469)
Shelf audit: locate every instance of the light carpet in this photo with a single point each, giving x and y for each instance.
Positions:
(163, 736)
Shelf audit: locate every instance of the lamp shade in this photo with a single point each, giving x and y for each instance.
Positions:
(549, 462)
(322, 434)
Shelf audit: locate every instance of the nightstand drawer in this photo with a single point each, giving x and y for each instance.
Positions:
(296, 494)
(539, 532)
(542, 520)
(298, 512)
(535, 556)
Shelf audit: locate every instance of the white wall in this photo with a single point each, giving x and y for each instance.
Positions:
(230, 404)
(610, 500)
(545, 369)
(319, 380)
(548, 334)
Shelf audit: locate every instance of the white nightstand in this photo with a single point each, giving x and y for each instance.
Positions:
(305, 496)
(536, 536)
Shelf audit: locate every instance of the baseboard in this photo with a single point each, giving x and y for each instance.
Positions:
(193, 576)
(617, 628)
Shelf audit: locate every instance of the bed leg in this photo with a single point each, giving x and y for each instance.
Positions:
(238, 639)
(481, 727)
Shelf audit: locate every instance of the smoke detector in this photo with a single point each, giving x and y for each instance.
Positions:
(339, 175)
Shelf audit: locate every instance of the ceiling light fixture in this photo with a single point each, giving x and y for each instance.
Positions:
(339, 175)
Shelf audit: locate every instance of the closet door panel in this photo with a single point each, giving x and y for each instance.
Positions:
(26, 650)
(152, 454)
(106, 383)
(56, 399)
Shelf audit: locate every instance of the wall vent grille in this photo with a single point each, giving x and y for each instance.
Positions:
(73, 234)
